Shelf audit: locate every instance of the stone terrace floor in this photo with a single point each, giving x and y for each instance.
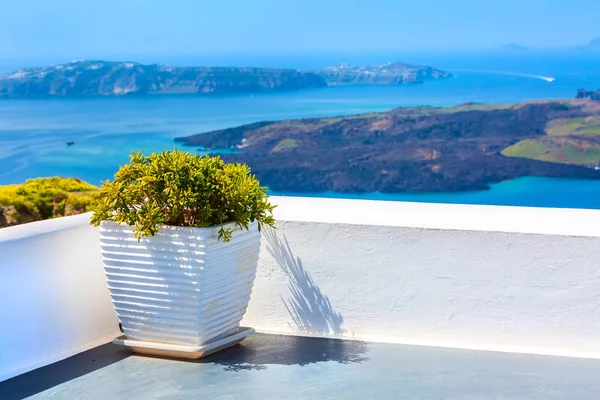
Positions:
(284, 367)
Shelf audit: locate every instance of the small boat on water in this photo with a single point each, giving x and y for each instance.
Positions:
(70, 144)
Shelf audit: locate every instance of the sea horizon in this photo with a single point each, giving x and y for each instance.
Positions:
(304, 60)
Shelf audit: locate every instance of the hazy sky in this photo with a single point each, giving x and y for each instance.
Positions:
(87, 29)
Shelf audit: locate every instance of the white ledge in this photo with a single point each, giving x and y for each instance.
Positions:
(43, 227)
(464, 217)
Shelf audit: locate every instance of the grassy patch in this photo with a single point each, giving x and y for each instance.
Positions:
(286, 145)
(582, 154)
(44, 198)
(528, 149)
(561, 150)
(589, 126)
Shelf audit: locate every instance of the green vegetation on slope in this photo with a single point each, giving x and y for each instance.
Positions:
(44, 198)
(286, 145)
(562, 150)
(528, 148)
(574, 126)
(582, 153)
(571, 140)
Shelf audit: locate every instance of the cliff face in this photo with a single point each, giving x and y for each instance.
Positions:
(93, 78)
(424, 149)
(101, 78)
(387, 74)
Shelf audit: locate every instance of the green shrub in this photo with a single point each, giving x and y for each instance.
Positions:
(44, 198)
(182, 189)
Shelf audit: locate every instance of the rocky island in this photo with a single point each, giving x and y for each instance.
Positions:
(423, 149)
(386, 74)
(588, 94)
(103, 78)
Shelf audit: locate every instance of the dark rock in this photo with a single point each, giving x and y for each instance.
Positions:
(588, 94)
(424, 149)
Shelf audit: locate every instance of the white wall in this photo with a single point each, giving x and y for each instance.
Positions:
(53, 297)
(496, 278)
(382, 271)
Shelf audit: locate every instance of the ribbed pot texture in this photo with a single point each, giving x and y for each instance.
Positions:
(181, 286)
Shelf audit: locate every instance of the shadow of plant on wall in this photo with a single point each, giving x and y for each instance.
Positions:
(311, 311)
(308, 307)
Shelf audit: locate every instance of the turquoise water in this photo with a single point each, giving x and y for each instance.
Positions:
(33, 133)
(527, 191)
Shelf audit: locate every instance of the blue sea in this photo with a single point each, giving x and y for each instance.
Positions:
(33, 133)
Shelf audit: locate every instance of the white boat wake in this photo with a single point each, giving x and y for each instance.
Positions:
(544, 78)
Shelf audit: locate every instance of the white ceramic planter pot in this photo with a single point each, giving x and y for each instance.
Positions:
(181, 286)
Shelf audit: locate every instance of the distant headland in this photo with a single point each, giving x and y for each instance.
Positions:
(588, 94)
(104, 78)
(419, 149)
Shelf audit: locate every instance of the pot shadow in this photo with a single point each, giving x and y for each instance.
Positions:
(258, 351)
(49, 376)
(309, 308)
